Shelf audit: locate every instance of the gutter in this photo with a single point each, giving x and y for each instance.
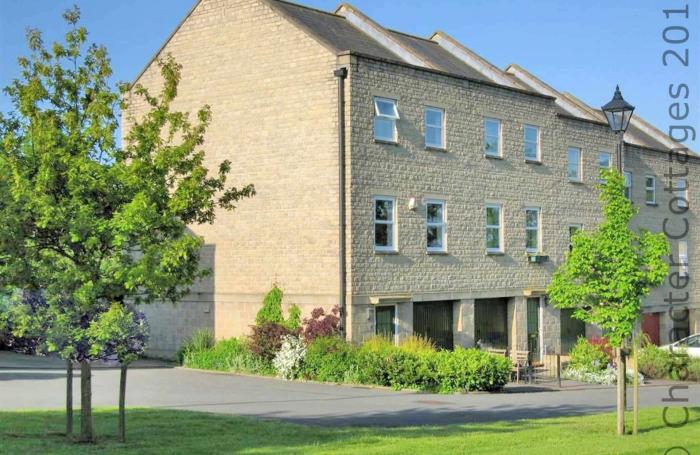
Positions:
(341, 74)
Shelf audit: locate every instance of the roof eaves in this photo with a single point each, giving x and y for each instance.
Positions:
(448, 74)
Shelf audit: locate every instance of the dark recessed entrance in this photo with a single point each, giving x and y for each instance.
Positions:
(433, 320)
(491, 322)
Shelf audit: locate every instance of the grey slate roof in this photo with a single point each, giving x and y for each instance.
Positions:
(333, 30)
(437, 57)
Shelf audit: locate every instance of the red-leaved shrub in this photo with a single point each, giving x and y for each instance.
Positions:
(603, 344)
(266, 339)
(321, 324)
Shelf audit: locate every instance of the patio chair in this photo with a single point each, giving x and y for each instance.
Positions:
(521, 364)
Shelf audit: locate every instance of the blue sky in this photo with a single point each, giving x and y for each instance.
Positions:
(581, 46)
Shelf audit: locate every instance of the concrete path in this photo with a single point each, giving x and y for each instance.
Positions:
(23, 385)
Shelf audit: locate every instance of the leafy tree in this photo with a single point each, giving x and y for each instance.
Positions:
(88, 223)
(610, 270)
(121, 333)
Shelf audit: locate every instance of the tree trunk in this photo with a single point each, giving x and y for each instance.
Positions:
(69, 397)
(620, 392)
(86, 431)
(122, 399)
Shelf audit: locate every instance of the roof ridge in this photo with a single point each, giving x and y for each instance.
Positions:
(411, 35)
(311, 8)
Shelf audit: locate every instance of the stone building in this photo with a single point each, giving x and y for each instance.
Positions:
(462, 182)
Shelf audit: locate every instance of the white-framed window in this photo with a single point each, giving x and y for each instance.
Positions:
(494, 228)
(682, 186)
(532, 230)
(435, 225)
(434, 127)
(492, 136)
(573, 170)
(385, 116)
(531, 143)
(573, 229)
(628, 185)
(385, 223)
(650, 188)
(683, 258)
(604, 160)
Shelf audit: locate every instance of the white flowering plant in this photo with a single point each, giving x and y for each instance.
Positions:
(605, 376)
(287, 361)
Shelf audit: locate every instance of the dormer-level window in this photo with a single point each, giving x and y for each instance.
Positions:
(492, 137)
(650, 187)
(435, 127)
(385, 116)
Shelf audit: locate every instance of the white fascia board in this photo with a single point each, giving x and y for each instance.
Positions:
(470, 58)
(377, 32)
(539, 86)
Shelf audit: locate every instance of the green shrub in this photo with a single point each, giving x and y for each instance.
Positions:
(587, 356)
(417, 344)
(329, 359)
(293, 322)
(654, 362)
(471, 369)
(228, 355)
(410, 370)
(200, 340)
(659, 364)
(694, 370)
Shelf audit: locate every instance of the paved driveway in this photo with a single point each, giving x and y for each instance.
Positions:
(28, 383)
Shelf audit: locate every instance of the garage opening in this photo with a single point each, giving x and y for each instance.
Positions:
(433, 320)
(491, 323)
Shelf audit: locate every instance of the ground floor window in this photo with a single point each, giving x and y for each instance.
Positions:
(490, 323)
(571, 330)
(384, 325)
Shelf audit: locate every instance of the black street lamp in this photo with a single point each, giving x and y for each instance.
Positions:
(619, 113)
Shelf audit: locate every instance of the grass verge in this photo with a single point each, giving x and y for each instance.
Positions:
(152, 431)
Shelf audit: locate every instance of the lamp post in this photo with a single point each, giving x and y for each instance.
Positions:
(618, 112)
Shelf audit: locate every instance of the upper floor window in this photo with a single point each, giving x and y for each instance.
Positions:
(532, 230)
(384, 223)
(604, 160)
(650, 187)
(574, 164)
(628, 185)
(385, 116)
(532, 143)
(434, 127)
(494, 231)
(682, 187)
(573, 229)
(683, 258)
(435, 217)
(492, 137)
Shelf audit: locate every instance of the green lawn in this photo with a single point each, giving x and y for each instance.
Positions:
(166, 431)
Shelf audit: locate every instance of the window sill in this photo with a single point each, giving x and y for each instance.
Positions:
(493, 157)
(652, 204)
(495, 253)
(537, 162)
(432, 148)
(576, 182)
(438, 253)
(386, 252)
(385, 142)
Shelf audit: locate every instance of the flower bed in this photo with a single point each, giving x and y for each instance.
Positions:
(377, 362)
